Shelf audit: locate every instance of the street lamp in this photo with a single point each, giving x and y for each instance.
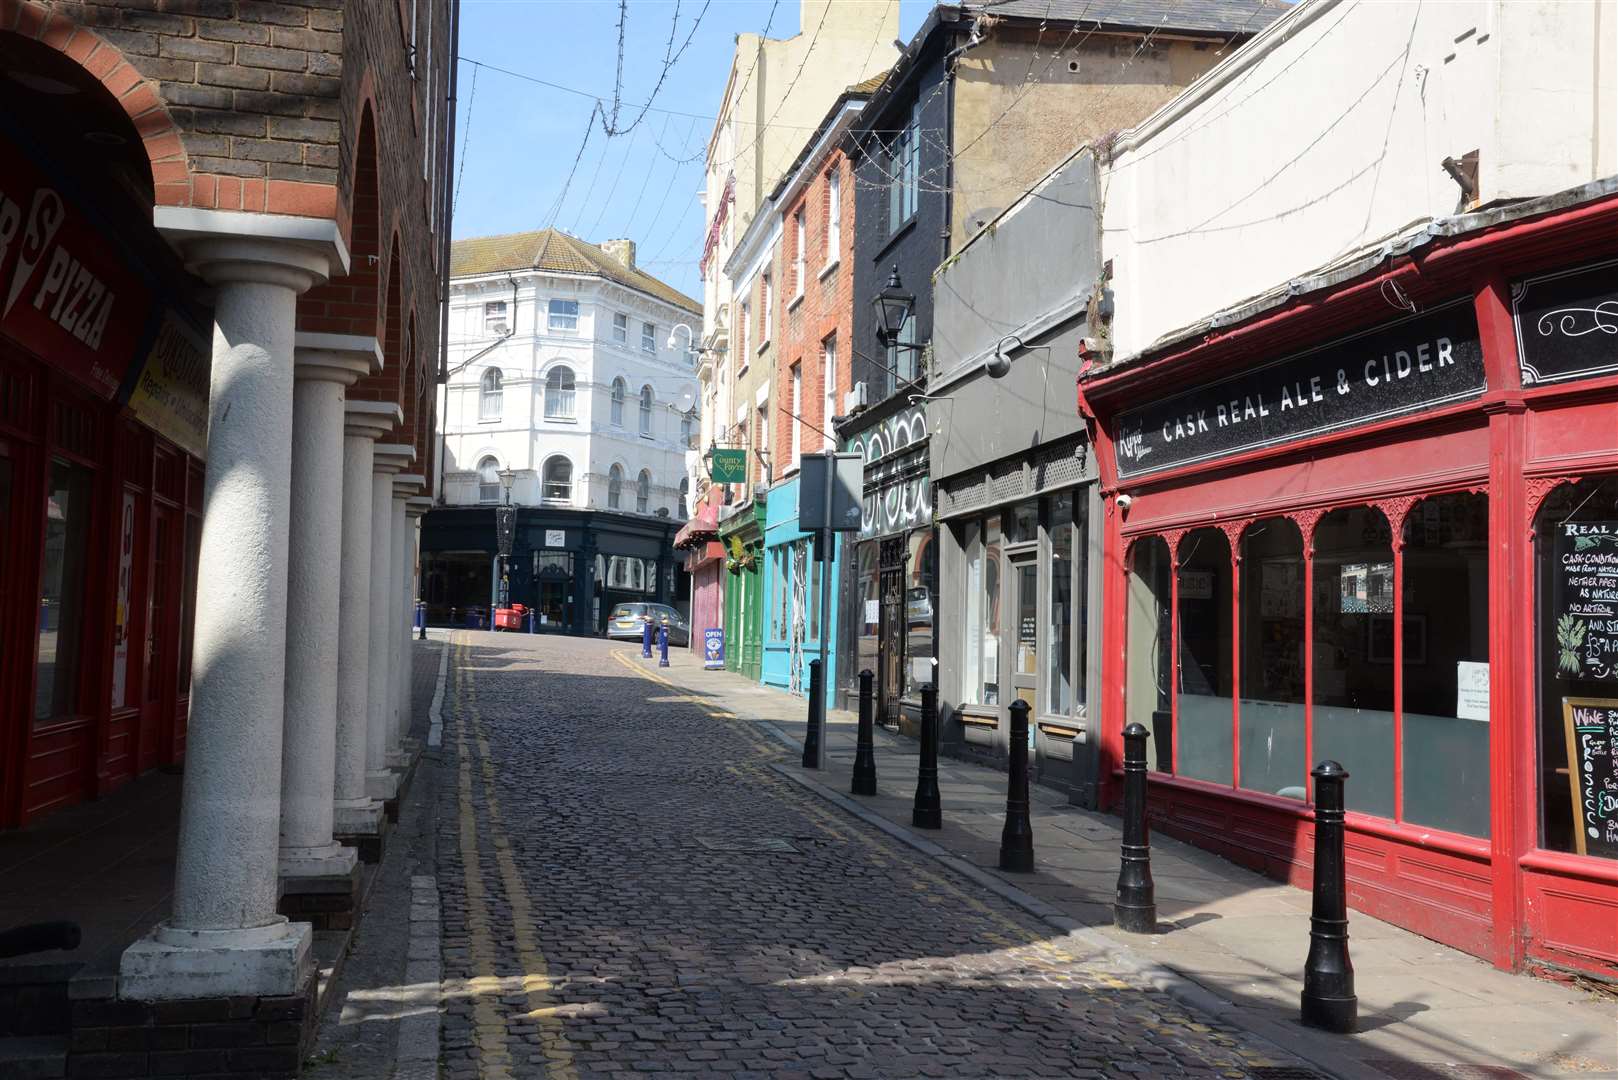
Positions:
(504, 527)
(690, 337)
(507, 478)
(893, 307)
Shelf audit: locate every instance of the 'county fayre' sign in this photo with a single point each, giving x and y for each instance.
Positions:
(1417, 363)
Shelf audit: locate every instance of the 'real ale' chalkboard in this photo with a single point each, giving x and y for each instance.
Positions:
(1592, 757)
(1585, 599)
(1567, 324)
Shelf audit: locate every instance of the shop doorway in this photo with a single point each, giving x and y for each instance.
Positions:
(891, 634)
(1025, 645)
(162, 589)
(555, 608)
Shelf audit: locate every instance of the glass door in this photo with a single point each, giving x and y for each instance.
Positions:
(1025, 632)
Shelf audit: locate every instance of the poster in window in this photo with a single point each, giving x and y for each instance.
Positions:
(1591, 725)
(1585, 599)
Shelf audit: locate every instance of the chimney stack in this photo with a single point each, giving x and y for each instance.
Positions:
(622, 250)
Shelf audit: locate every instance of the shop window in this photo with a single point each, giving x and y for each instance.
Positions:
(61, 614)
(983, 632)
(188, 599)
(1149, 627)
(971, 610)
(1446, 664)
(1576, 551)
(920, 573)
(1022, 524)
(1272, 659)
(867, 606)
(624, 572)
(1065, 632)
(1353, 657)
(813, 591)
(1204, 703)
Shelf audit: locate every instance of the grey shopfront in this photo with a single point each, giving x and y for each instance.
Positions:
(1014, 482)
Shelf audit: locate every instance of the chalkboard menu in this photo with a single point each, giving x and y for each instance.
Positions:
(1417, 363)
(1592, 756)
(1567, 324)
(1585, 599)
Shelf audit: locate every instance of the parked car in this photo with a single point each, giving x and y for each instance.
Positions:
(624, 624)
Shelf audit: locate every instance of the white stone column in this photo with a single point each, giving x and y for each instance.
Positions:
(324, 365)
(404, 488)
(355, 812)
(380, 781)
(223, 936)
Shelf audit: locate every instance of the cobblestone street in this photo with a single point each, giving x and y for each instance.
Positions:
(628, 888)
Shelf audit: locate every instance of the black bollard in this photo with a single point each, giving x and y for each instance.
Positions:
(1328, 976)
(1134, 908)
(811, 733)
(1017, 838)
(864, 782)
(928, 812)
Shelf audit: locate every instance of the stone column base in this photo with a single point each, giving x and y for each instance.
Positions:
(348, 820)
(172, 965)
(368, 843)
(322, 862)
(382, 785)
(325, 902)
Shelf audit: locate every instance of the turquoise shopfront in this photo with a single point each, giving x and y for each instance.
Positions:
(793, 621)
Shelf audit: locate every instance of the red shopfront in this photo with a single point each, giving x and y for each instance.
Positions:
(100, 513)
(1376, 530)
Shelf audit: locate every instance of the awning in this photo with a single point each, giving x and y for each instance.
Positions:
(704, 526)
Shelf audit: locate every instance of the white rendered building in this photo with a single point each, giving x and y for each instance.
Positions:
(562, 371)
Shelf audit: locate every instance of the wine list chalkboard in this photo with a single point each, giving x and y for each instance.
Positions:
(1585, 595)
(1592, 758)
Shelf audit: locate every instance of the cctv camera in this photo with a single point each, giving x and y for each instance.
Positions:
(1124, 502)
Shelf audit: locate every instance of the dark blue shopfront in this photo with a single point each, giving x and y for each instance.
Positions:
(570, 566)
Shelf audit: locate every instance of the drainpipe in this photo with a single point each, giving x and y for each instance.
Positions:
(446, 196)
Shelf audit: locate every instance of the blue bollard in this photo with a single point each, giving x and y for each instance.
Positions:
(646, 640)
(663, 646)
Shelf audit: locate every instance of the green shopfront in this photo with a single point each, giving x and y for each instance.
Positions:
(741, 530)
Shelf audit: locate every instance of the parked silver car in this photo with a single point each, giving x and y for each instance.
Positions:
(624, 624)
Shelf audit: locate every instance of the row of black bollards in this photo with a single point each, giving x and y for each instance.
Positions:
(1328, 1000)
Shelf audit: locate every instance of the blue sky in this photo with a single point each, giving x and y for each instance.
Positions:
(523, 137)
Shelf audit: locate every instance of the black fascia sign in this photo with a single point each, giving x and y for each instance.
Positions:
(1418, 363)
(1567, 324)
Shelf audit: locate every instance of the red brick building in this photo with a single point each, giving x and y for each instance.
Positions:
(223, 233)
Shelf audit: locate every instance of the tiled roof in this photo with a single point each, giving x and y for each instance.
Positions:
(868, 86)
(553, 249)
(1209, 16)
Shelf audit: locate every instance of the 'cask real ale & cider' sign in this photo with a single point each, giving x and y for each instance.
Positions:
(1413, 365)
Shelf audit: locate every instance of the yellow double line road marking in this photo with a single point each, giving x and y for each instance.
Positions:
(493, 1029)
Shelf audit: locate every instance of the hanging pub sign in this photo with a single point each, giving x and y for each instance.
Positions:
(1413, 365)
(64, 295)
(727, 466)
(1567, 324)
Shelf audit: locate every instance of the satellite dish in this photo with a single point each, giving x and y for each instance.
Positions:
(686, 400)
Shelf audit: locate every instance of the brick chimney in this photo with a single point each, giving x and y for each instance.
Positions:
(622, 250)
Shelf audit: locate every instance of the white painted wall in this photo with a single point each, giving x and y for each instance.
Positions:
(522, 437)
(1324, 135)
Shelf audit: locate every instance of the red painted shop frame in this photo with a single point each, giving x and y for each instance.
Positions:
(1504, 899)
(96, 749)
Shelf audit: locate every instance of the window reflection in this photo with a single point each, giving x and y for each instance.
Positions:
(61, 600)
(1061, 627)
(1446, 676)
(1272, 659)
(1149, 628)
(919, 607)
(1353, 687)
(1205, 699)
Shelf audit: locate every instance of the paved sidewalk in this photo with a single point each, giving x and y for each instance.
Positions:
(1229, 939)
